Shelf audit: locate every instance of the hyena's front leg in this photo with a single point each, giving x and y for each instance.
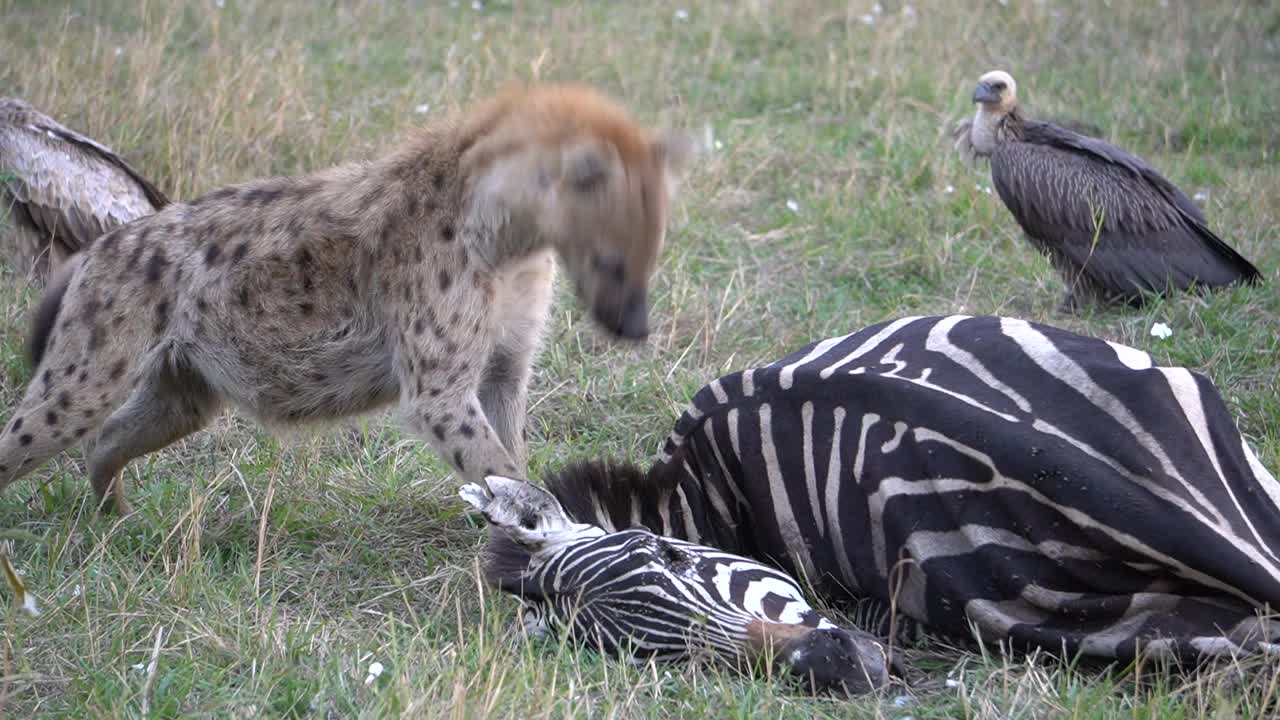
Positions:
(503, 393)
(448, 414)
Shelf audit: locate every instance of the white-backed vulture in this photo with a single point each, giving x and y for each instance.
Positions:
(59, 190)
(1111, 225)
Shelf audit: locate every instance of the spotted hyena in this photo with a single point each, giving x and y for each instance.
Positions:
(424, 277)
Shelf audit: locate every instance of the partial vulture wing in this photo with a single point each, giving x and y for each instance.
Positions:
(67, 187)
(1108, 217)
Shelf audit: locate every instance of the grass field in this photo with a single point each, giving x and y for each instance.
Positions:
(260, 577)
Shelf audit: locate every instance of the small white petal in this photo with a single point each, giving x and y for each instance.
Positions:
(719, 145)
(1200, 196)
(868, 20)
(952, 683)
(477, 5)
(877, 9)
(1161, 330)
(949, 189)
(119, 51)
(422, 109)
(29, 604)
(793, 206)
(682, 14)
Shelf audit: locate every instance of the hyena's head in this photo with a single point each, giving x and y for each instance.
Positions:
(568, 169)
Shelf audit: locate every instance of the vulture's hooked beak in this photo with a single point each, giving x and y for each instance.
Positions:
(984, 93)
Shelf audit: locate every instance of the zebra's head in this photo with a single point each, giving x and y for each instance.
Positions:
(636, 593)
(528, 515)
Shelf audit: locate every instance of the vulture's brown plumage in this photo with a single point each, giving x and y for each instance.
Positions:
(59, 190)
(1112, 226)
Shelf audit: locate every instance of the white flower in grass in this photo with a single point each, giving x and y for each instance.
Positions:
(868, 19)
(948, 189)
(119, 51)
(375, 671)
(952, 683)
(876, 9)
(1161, 331)
(1200, 196)
(477, 5)
(793, 206)
(682, 14)
(422, 109)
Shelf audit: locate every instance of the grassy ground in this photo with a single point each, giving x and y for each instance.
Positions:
(261, 577)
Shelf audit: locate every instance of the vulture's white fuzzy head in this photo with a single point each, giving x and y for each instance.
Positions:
(996, 92)
(996, 96)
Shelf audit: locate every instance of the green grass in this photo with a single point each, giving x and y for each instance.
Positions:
(274, 571)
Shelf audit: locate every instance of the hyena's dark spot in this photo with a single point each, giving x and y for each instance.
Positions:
(95, 337)
(446, 233)
(305, 308)
(411, 204)
(64, 400)
(417, 325)
(118, 320)
(216, 196)
(261, 196)
(108, 302)
(88, 412)
(435, 392)
(444, 280)
(139, 247)
(83, 377)
(437, 181)
(156, 266)
(80, 432)
(47, 376)
(471, 411)
(25, 439)
(211, 254)
(70, 370)
(242, 296)
(439, 431)
(241, 250)
(418, 256)
(466, 430)
(162, 316)
(457, 460)
(4, 469)
(201, 304)
(51, 418)
(117, 370)
(16, 426)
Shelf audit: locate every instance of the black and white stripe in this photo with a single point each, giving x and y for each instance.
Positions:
(1040, 487)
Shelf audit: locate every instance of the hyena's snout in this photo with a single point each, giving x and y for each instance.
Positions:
(624, 313)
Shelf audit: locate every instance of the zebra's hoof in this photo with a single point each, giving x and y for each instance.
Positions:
(835, 660)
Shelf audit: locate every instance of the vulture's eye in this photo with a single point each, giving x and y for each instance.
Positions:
(997, 86)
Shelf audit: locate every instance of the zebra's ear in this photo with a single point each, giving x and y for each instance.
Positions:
(475, 496)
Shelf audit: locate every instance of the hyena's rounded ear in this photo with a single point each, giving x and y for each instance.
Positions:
(674, 150)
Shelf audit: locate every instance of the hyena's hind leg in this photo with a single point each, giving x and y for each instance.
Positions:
(66, 402)
(171, 400)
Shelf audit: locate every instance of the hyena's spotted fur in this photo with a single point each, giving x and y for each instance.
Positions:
(425, 276)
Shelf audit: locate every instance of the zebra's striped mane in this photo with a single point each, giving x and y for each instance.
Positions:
(617, 495)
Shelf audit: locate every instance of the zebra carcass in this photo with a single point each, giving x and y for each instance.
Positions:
(643, 596)
(984, 475)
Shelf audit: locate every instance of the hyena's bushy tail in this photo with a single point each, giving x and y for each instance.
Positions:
(46, 314)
